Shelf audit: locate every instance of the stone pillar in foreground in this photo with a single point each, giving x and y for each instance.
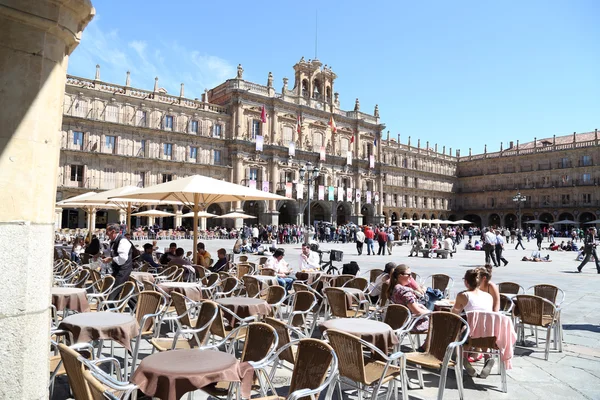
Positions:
(36, 38)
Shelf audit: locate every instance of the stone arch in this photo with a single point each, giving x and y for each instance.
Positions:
(526, 217)
(452, 217)
(288, 211)
(319, 211)
(586, 217)
(474, 218)
(510, 221)
(368, 213)
(433, 216)
(394, 216)
(494, 220)
(546, 218)
(257, 209)
(566, 215)
(217, 210)
(415, 216)
(424, 216)
(343, 212)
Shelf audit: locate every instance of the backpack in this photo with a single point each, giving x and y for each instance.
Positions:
(350, 268)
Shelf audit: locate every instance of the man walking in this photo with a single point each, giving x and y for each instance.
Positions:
(489, 247)
(499, 247)
(539, 237)
(519, 240)
(381, 240)
(360, 240)
(590, 249)
(120, 258)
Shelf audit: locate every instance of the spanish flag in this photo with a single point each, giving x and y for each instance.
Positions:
(332, 124)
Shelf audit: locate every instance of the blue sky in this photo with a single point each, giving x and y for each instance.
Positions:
(461, 74)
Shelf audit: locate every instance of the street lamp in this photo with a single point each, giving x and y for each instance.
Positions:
(310, 178)
(519, 199)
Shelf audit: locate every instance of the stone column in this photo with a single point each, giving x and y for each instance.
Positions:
(58, 218)
(36, 39)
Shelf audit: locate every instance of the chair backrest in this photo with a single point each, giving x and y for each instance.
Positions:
(440, 281)
(267, 272)
(148, 302)
(506, 303)
(218, 326)
(201, 272)
(169, 271)
(444, 328)
(96, 275)
(74, 369)
(340, 280)
(396, 316)
(207, 312)
(106, 283)
(80, 279)
(336, 298)
(252, 285)
(259, 341)
(357, 283)
(262, 260)
(349, 351)
(384, 296)
(180, 305)
(374, 274)
(485, 342)
(299, 287)
(148, 286)
(548, 292)
(210, 279)
(284, 338)
(243, 270)
(415, 276)
(534, 310)
(303, 301)
(224, 275)
(510, 288)
(96, 387)
(229, 283)
(275, 294)
(312, 363)
(242, 258)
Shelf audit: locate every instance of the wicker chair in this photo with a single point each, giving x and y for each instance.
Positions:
(416, 277)
(125, 290)
(102, 289)
(262, 260)
(510, 288)
(340, 280)
(506, 304)
(243, 269)
(537, 312)
(374, 274)
(309, 378)
(486, 345)
(267, 272)
(196, 330)
(556, 296)
(229, 286)
(252, 285)
(260, 343)
(210, 284)
(243, 259)
(103, 386)
(274, 296)
(363, 372)
(338, 306)
(148, 312)
(357, 283)
(303, 303)
(441, 282)
(283, 333)
(447, 333)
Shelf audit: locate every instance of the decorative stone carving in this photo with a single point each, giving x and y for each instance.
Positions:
(285, 85)
(240, 71)
(357, 105)
(376, 112)
(270, 80)
(328, 148)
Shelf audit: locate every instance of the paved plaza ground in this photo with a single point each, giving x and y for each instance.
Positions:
(572, 374)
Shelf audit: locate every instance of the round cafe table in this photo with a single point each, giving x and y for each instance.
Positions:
(169, 375)
(89, 326)
(143, 276)
(191, 290)
(266, 280)
(309, 276)
(378, 333)
(70, 298)
(244, 307)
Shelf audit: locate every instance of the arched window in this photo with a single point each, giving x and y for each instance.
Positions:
(344, 144)
(305, 87)
(317, 89)
(328, 94)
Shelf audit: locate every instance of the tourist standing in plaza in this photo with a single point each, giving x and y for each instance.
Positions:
(590, 249)
(539, 238)
(499, 248)
(381, 240)
(120, 257)
(489, 246)
(360, 240)
(369, 235)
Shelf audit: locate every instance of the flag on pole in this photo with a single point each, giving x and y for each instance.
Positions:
(299, 124)
(332, 124)
(263, 115)
(352, 138)
(375, 141)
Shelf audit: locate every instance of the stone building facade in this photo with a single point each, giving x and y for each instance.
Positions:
(255, 135)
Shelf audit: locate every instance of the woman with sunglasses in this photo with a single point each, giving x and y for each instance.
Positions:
(402, 293)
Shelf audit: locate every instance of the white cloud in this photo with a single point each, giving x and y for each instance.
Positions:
(170, 61)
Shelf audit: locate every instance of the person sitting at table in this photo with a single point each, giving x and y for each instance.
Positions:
(181, 261)
(402, 293)
(308, 259)
(473, 299)
(93, 249)
(147, 256)
(166, 258)
(77, 249)
(282, 269)
(222, 264)
(203, 257)
(418, 245)
(375, 287)
(485, 274)
(237, 246)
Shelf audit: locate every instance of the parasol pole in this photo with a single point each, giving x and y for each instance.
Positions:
(195, 244)
(129, 216)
